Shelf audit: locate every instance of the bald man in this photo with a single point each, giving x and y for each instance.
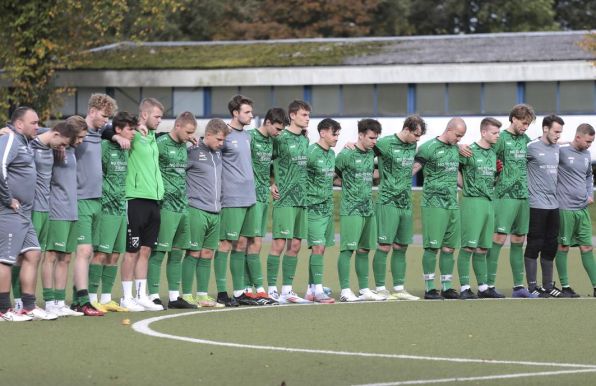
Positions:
(439, 161)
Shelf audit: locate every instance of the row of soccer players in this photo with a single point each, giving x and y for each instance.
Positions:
(300, 187)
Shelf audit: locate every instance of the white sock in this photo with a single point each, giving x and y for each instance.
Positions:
(270, 290)
(173, 295)
(399, 288)
(310, 289)
(286, 289)
(201, 293)
(92, 298)
(60, 303)
(248, 290)
(105, 298)
(318, 289)
(141, 286)
(363, 290)
(345, 291)
(482, 287)
(127, 289)
(238, 293)
(260, 289)
(465, 287)
(381, 288)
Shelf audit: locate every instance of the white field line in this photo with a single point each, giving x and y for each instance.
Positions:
(482, 378)
(142, 327)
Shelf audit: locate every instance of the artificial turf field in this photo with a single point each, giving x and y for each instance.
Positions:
(510, 342)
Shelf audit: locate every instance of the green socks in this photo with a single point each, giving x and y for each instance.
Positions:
(380, 267)
(255, 271)
(60, 295)
(446, 264)
(288, 269)
(561, 261)
(343, 268)
(516, 259)
(203, 272)
(272, 270)
(16, 281)
(398, 266)
(429, 262)
(154, 271)
(108, 278)
(362, 269)
(189, 268)
(589, 266)
(237, 260)
(95, 272)
(174, 269)
(479, 264)
(220, 265)
(463, 266)
(48, 294)
(316, 269)
(492, 264)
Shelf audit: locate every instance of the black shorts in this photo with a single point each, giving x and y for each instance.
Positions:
(143, 224)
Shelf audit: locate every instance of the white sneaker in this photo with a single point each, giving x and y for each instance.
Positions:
(367, 295)
(273, 294)
(131, 305)
(348, 296)
(13, 316)
(18, 304)
(405, 295)
(386, 294)
(148, 304)
(63, 311)
(41, 314)
(292, 298)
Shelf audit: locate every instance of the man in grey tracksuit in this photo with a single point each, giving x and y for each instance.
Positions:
(543, 161)
(203, 186)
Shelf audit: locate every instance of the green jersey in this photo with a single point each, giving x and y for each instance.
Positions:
(356, 167)
(261, 149)
(114, 164)
(321, 170)
(172, 164)
(512, 151)
(440, 163)
(396, 159)
(479, 172)
(289, 167)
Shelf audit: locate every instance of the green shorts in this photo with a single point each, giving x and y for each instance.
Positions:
(88, 223)
(321, 230)
(41, 222)
(394, 225)
(575, 227)
(289, 223)
(255, 221)
(357, 232)
(112, 233)
(174, 231)
(440, 228)
(204, 229)
(62, 236)
(477, 222)
(231, 222)
(512, 216)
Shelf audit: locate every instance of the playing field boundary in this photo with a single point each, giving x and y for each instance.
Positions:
(143, 327)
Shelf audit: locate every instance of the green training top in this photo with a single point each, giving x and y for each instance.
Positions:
(321, 170)
(144, 178)
(440, 164)
(513, 180)
(289, 166)
(172, 164)
(479, 172)
(356, 167)
(114, 164)
(261, 149)
(396, 159)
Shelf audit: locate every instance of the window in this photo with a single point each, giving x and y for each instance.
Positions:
(261, 97)
(464, 98)
(220, 97)
(188, 99)
(283, 95)
(499, 98)
(576, 97)
(128, 99)
(542, 96)
(430, 99)
(359, 100)
(392, 99)
(325, 100)
(162, 94)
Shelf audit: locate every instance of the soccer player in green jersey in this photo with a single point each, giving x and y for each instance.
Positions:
(575, 191)
(439, 159)
(394, 205)
(252, 233)
(174, 231)
(112, 223)
(477, 212)
(512, 210)
(321, 231)
(357, 224)
(289, 202)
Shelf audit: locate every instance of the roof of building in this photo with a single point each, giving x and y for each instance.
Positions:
(441, 49)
